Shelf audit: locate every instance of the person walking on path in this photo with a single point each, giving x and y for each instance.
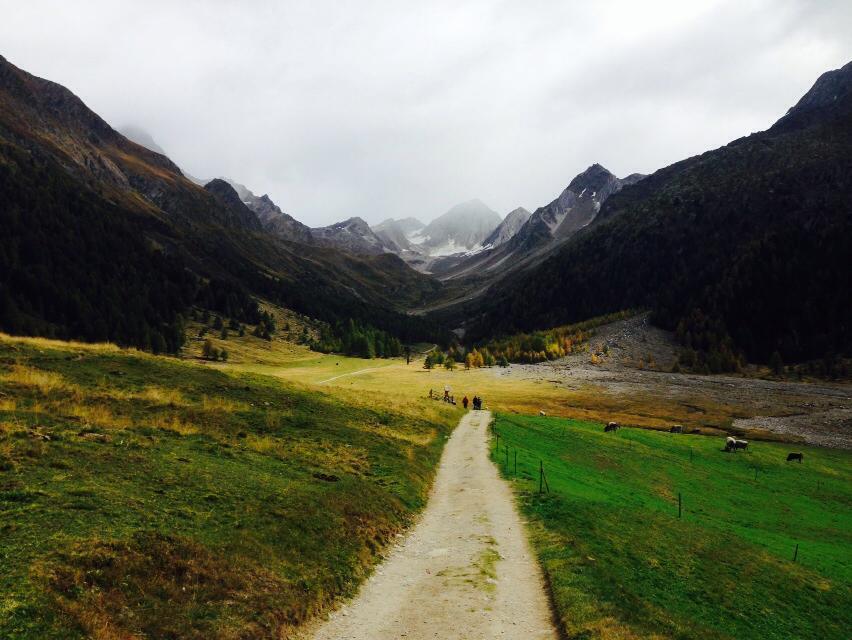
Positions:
(465, 401)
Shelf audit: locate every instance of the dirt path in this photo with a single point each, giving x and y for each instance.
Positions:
(351, 373)
(466, 569)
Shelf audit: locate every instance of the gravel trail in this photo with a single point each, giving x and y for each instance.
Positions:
(464, 571)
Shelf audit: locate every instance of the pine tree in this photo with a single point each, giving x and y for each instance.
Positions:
(776, 363)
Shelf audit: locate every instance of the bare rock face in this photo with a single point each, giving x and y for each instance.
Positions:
(574, 209)
(230, 200)
(272, 218)
(353, 235)
(510, 225)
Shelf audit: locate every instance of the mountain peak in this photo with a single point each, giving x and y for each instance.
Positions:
(353, 235)
(355, 222)
(831, 90)
(594, 178)
(139, 135)
(270, 215)
(510, 225)
(226, 194)
(460, 229)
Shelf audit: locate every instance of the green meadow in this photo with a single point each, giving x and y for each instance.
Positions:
(143, 496)
(620, 563)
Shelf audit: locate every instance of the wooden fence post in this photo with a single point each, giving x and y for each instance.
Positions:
(796, 552)
(540, 475)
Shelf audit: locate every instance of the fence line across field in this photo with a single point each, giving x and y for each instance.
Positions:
(565, 475)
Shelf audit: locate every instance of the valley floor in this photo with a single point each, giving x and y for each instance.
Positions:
(272, 483)
(632, 385)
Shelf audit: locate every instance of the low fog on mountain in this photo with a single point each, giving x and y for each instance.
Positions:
(380, 109)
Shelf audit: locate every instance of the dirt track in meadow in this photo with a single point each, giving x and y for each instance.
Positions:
(464, 571)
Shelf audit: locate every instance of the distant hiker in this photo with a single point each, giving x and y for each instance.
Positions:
(465, 401)
(430, 394)
(446, 394)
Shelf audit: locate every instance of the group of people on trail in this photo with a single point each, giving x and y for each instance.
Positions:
(477, 402)
(447, 397)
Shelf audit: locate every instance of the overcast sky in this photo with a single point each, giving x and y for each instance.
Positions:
(398, 108)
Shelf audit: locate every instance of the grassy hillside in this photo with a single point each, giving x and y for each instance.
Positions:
(149, 497)
(621, 564)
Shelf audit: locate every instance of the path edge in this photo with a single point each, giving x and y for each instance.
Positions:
(309, 629)
(556, 621)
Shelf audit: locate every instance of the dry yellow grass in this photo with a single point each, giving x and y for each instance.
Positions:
(177, 424)
(96, 415)
(218, 404)
(389, 384)
(152, 394)
(324, 455)
(405, 388)
(45, 381)
(48, 343)
(159, 395)
(250, 349)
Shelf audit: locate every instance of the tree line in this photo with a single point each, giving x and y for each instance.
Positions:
(355, 338)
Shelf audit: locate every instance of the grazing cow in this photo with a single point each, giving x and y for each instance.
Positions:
(794, 456)
(612, 426)
(732, 444)
(676, 429)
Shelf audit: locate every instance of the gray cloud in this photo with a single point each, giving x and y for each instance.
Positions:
(389, 108)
